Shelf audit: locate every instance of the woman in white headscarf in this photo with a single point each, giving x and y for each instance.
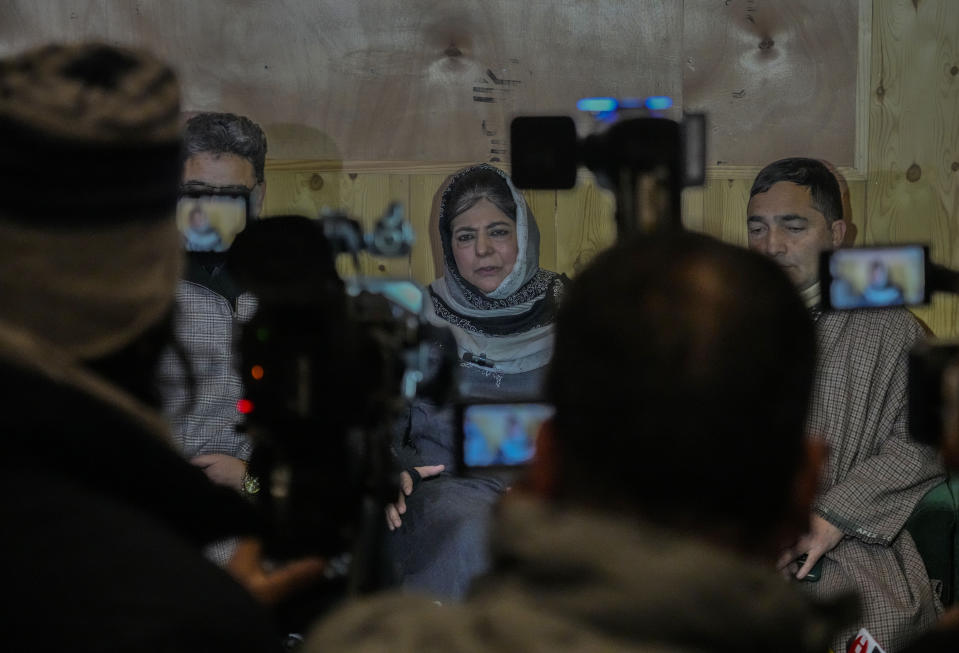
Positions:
(500, 307)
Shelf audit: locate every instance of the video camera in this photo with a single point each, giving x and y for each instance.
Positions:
(934, 380)
(327, 365)
(643, 157)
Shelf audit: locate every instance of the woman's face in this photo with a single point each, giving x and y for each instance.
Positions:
(484, 245)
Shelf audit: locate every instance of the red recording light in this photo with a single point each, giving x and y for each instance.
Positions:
(244, 406)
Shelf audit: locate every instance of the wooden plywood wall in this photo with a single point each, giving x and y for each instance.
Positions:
(427, 81)
(913, 101)
(380, 80)
(776, 77)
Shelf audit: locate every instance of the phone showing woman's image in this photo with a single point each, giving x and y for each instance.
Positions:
(209, 223)
(499, 435)
(875, 277)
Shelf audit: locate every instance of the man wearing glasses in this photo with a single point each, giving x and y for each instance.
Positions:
(223, 155)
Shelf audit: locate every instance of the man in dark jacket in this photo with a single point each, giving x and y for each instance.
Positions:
(103, 519)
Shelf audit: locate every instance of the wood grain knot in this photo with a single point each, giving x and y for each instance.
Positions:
(955, 166)
(453, 51)
(316, 182)
(381, 267)
(880, 92)
(914, 173)
(954, 71)
(765, 44)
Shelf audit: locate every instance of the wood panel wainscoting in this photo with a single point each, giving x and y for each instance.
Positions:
(574, 224)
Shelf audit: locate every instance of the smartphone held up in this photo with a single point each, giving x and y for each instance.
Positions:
(210, 222)
(500, 435)
(875, 277)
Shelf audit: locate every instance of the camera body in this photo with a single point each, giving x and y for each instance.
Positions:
(643, 157)
(326, 366)
(934, 397)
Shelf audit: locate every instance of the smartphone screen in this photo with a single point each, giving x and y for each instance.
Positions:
(209, 223)
(875, 277)
(501, 434)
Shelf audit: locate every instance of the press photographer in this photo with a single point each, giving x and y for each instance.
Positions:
(104, 519)
(327, 367)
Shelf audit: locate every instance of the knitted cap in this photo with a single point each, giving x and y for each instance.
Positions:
(89, 171)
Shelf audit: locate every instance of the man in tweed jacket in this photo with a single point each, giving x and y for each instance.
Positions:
(875, 474)
(222, 152)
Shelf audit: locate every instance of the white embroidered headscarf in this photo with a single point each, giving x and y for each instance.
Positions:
(510, 329)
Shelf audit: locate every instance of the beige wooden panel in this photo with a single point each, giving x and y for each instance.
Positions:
(380, 80)
(362, 196)
(693, 208)
(724, 208)
(585, 225)
(301, 192)
(914, 136)
(855, 233)
(777, 77)
(422, 189)
(574, 225)
(366, 197)
(543, 205)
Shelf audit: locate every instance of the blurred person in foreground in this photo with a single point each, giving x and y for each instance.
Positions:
(104, 520)
(660, 495)
(876, 473)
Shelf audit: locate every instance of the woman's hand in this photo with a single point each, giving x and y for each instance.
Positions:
(394, 510)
